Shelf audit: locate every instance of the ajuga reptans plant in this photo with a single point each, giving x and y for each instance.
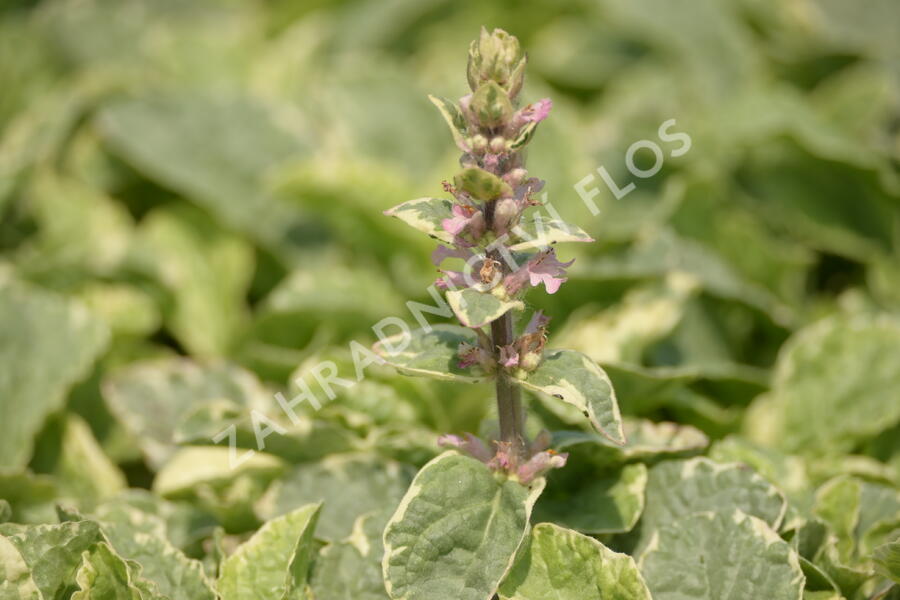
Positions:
(460, 525)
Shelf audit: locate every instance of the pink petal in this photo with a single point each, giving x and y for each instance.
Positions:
(537, 111)
(443, 252)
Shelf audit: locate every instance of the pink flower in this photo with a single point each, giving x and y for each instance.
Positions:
(459, 221)
(538, 321)
(453, 280)
(533, 113)
(544, 268)
(470, 355)
(539, 464)
(470, 445)
(509, 357)
(503, 460)
(536, 111)
(443, 252)
(465, 219)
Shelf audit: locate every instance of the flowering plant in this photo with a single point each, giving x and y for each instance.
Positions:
(501, 252)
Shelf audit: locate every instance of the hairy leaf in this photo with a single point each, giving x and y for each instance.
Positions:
(574, 378)
(476, 309)
(456, 532)
(563, 564)
(426, 215)
(711, 556)
(431, 353)
(274, 563)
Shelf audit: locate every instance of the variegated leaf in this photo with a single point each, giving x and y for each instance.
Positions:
(729, 554)
(539, 233)
(563, 564)
(684, 487)
(574, 378)
(476, 309)
(426, 215)
(456, 532)
(431, 353)
(647, 442)
(580, 498)
(454, 118)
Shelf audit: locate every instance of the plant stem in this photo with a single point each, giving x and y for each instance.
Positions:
(509, 396)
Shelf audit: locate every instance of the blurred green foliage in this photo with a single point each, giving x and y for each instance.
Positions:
(190, 217)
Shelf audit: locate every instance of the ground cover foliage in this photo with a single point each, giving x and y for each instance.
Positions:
(191, 200)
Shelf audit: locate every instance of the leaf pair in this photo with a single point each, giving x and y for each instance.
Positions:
(462, 531)
(565, 374)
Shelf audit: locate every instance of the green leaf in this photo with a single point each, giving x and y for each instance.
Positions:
(456, 532)
(16, 581)
(153, 398)
(166, 137)
(785, 471)
(623, 332)
(861, 514)
(837, 504)
(577, 380)
(563, 564)
(351, 568)
(348, 486)
(104, 575)
(208, 476)
(476, 309)
(594, 502)
(482, 185)
(818, 585)
(660, 252)
(325, 291)
(426, 215)
(647, 442)
(524, 136)
(181, 523)
(68, 450)
(887, 559)
(832, 386)
(206, 269)
(710, 556)
(684, 487)
(454, 118)
(274, 563)
(431, 353)
(30, 496)
(849, 578)
(162, 566)
(51, 553)
(48, 344)
(539, 233)
(81, 231)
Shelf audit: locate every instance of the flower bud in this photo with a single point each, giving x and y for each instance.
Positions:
(491, 105)
(506, 211)
(530, 360)
(496, 56)
(498, 144)
(478, 143)
(515, 177)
